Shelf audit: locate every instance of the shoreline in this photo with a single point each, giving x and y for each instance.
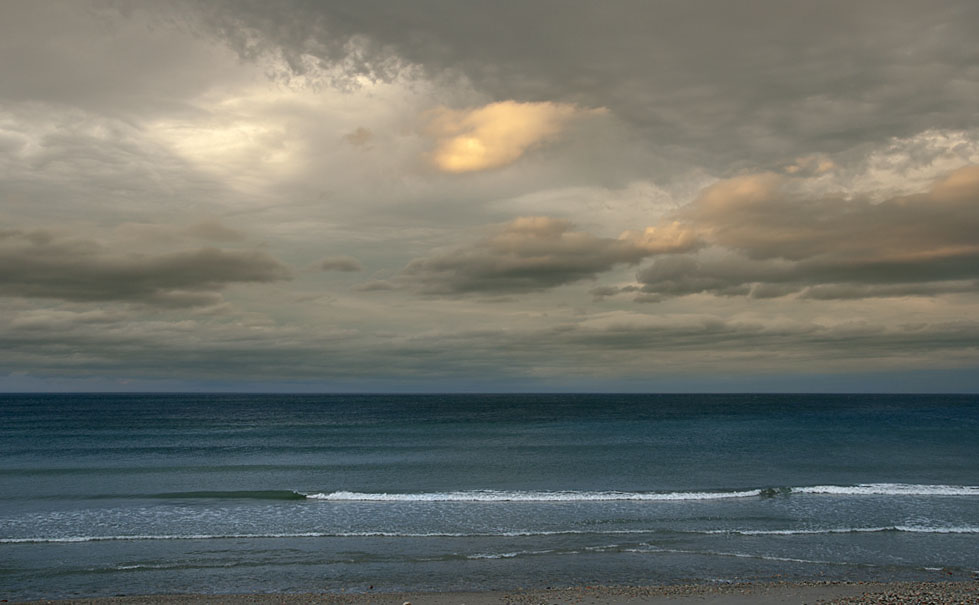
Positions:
(760, 593)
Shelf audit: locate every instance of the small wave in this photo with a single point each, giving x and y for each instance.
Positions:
(488, 495)
(355, 534)
(497, 534)
(739, 555)
(71, 539)
(509, 555)
(177, 566)
(887, 489)
(272, 494)
(917, 529)
(890, 489)
(938, 530)
(528, 496)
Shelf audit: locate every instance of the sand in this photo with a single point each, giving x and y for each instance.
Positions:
(841, 593)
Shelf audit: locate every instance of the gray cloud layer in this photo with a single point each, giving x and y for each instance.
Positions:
(536, 253)
(765, 241)
(720, 81)
(827, 248)
(72, 344)
(340, 263)
(761, 169)
(41, 264)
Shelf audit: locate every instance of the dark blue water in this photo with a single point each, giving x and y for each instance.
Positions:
(110, 494)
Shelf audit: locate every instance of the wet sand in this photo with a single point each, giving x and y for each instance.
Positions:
(893, 593)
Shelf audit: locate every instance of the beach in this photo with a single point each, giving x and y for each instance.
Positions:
(765, 593)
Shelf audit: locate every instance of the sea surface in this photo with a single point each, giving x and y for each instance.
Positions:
(105, 494)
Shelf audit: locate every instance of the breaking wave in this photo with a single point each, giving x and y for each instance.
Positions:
(890, 489)
(864, 489)
(528, 496)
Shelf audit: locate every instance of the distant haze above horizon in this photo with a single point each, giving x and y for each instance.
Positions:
(489, 196)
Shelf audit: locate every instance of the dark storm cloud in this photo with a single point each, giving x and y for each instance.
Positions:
(537, 253)
(728, 81)
(42, 264)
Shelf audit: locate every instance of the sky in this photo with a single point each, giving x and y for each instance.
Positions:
(458, 195)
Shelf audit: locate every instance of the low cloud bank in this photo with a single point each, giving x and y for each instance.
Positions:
(44, 264)
(535, 253)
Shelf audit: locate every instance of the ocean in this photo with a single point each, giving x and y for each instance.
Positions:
(106, 494)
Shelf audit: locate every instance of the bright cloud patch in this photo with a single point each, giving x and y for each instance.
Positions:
(496, 134)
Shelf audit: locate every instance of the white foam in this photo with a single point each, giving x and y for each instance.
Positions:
(509, 555)
(653, 550)
(848, 530)
(890, 489)
(938, 530)
(355, 534)
(70, 539)
(528, 496)
(883, 489)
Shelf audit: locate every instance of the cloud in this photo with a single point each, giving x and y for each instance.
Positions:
(340, 263)
(301, 123)
(359, 137)
(758, 83)
(681, 339)
(609, 346)
(762, 217)
(496, 134)
(535, 253)
(376, 285)
(145, 234)
(107, 58)
(768, 241)
(810, 165)
(215, 231)
(733, 275)
(43, 264)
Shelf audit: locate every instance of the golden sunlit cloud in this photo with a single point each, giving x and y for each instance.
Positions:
(497, 134)
(811, 165)
(961, 183)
